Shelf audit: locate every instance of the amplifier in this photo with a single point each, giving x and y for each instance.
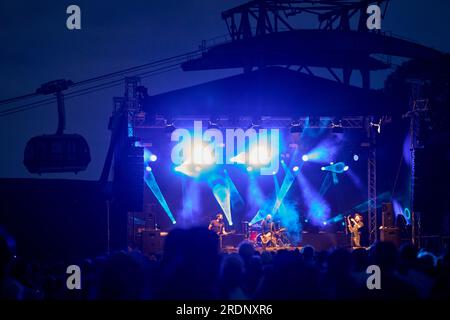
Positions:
(391, 235)
(387, 215)
(232, 240)
(152, 242)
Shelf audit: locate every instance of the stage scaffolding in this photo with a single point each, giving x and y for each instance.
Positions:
(137, 119)
(372, 184)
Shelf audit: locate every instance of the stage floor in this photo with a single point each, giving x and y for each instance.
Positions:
(259, 249)
(275, 249)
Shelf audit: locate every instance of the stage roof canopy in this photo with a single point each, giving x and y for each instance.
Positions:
(273, 91)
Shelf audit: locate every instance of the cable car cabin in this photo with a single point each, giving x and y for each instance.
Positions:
(57, 153)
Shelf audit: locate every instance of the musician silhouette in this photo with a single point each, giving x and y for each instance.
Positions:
(267, 231)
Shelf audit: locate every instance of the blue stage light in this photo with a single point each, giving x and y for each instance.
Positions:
(221, 192)
(295, 168)
(150, 180)
(147, 154)
(260, 154)
(318, 209)
(325, 151)
(355, 157)
(285, 186)
(148, 168)
(407, 213)
(339, 167)
(153, 158)
(305, 157)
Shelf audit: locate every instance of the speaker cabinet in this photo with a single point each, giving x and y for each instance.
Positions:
(391, 235)
(129, 177)
(152, 242)
(232, 240)
(387, 215)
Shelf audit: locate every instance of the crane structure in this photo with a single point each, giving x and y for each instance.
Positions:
(303, 34)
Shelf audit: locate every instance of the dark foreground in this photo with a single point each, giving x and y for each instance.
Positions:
(193, 268)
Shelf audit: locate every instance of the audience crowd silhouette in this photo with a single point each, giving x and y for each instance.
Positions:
(193, 268)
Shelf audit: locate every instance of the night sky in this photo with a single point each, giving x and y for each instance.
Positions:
(36, 47)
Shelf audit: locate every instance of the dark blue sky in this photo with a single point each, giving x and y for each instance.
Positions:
(36, 47)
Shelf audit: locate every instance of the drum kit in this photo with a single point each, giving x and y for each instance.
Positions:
(278, 238)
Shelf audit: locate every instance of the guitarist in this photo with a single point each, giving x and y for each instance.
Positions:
(218, 226)
(267, 230)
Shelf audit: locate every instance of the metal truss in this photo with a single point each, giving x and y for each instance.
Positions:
(353, 122)
(131, 104)
(372, 215)
(419, 110)
(259, 17)
(372, 194)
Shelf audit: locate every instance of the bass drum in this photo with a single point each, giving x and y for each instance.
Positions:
(253, 235)
(260, 243)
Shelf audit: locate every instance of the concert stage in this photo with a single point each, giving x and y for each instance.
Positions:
(309, 171)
